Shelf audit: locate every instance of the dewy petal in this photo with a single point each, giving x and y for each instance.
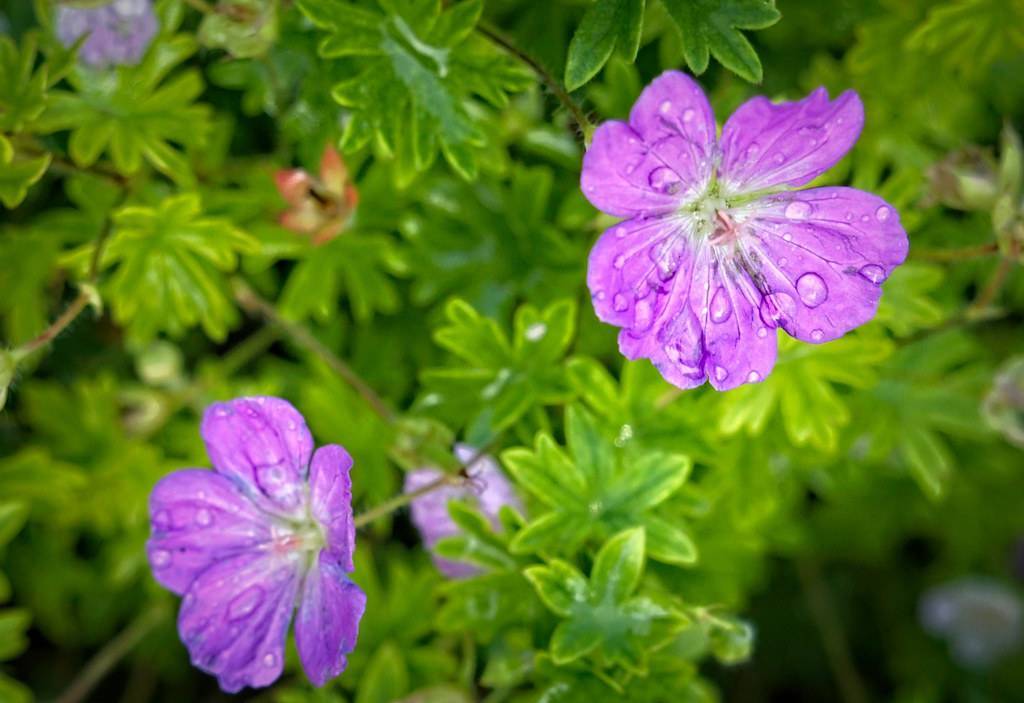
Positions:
(632, 267)
(822, 255)
(199, 517)
(234, 618)
(738, 346)
(331, 501)
(327, 623)
(787, 144)
(661, 159)
(672, 338)
(264, 444)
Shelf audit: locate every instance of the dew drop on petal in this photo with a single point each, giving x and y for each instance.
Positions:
(664, 180)
(269, 659)
(849, 216)
(753, 151)
(812, 289)
(619, 302)
(788, 236)
(161, 558)
(665, 107)
(753, 377)
(203, 517)
(882, 213)
(817, 335)
(162, 520)
(778, 159)
(783, 261)
(864, 218)
(688, 115)
(600, 295)
(619, 261)
(721, 307)
(873, 272)
(720, 373)
(621, 232)
(798, 210)
(643, 315)
(762, 332)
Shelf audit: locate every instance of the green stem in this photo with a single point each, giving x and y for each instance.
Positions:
(830, 627)
(251, 301)
(586, 128)
(995, 284)
(953, 255)
(111, 654)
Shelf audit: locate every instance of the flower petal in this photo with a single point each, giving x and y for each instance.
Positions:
(199, 517)
(738, 346)
(234, 618)
(631, 267)
(791, 143)
(658, 161)
(822, 255)
(431, 518)
(488, 482)
(264, 444)
(331, 501)
(327, 623)
(673, 339)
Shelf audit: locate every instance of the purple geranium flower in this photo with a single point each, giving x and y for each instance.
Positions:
(119, 32)
(717, 251)
(487, 488)
(267, 529)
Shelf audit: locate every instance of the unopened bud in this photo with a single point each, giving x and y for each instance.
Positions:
(964, 180)
(159, 364)
(1003, 407)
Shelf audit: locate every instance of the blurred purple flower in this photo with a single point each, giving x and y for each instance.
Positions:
(268, 528)
(980, 618)
(488, 489)
(119, 32)
(718, 250)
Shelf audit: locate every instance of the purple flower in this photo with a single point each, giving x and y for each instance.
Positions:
(980, 618)
(119, 32)
(487, 488)
(718, 251)
(267, 529)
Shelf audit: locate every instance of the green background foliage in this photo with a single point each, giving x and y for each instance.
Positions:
(769, 543)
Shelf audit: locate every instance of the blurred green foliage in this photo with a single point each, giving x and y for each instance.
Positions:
(675, 546)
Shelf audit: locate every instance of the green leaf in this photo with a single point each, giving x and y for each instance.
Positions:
(415, 71)
(17, 175)
(477, 544)
(596, 490)
(606, 26)
(498, 381)
(248, 30)
(13, 641)
(711, 27)
(12, 517)
(386, 679)
(168, 268)
(602, 615)
(803, 387)
(23, 88)
(138, 113)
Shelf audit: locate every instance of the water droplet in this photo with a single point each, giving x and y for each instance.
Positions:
(778, 159)
(721, 307)
(665, 107)
(798, 210)
(688, 115)
(625, 434)
(621, 232)
(788, 236)
(882, 213)
(536, 331)
(269, 659)
(812, 289)
(643, 315)
(619, 302)
(762, 332)
(242, 605)
(849, 216)
(600, 295)
(720, 373)
(783, 261)
(222, 411)
(161, 558)
(873, 272)
(619, 261)
(816, 335)
(753, 151)
(777, 306)
(203, 517)
(664, 179)
(630, 168)
(753, 377)
(864, 218)
(162, 520)
(201, 495)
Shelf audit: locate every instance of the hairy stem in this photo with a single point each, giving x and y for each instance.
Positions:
(252, 303)
(830, 627)
(995, 284)
(586, 129)
(953, 255)
(112, 653)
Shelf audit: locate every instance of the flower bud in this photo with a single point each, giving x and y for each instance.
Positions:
(1003, 407)
(965, 180)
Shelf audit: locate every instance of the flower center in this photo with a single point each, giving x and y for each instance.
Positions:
(288, 538)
